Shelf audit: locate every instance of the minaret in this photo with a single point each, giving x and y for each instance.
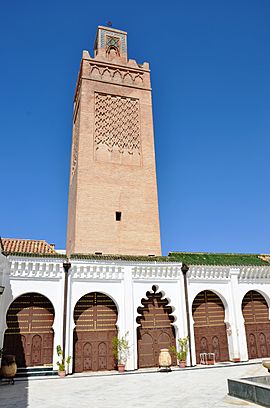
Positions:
(113, 203)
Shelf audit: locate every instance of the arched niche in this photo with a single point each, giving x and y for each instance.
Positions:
(257, 325)
(112, 52)
(210, 333)
(95, 317)
(155, 330)
(29, 335)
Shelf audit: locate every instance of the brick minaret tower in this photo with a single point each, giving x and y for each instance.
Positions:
(113, 204)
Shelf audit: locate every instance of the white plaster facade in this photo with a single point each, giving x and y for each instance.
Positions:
(126, 283)
(230, 283)
(41, 275)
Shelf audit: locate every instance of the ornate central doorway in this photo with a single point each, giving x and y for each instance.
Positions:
(95, 316)
(155, 331)
(209, 327)
(256, 315)
(30, 335)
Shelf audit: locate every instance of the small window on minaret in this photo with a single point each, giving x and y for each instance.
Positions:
(118, 215)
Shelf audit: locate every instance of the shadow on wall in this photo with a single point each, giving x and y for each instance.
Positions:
(11, 395)
(14, 395)
(14, 342)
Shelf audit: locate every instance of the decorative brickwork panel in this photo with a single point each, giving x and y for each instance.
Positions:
(75, 141)
(117, 128)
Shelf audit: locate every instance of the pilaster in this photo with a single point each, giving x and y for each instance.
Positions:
(70, 325)
(236, 328)
(129, 318)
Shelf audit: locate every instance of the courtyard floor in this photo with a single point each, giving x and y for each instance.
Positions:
(187, 388)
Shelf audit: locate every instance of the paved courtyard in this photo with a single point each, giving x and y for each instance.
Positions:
(204, 388)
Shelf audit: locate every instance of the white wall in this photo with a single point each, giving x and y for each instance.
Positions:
(126, 283)
(40, 275)
(231, 284)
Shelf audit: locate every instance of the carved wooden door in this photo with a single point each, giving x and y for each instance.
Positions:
(36, 350)
(155, 331)
(95, 317)
(30, 335)
(146, 350)
(256, 315)
(102, 356)
(209, 327)
(150, 342)
(87, 356)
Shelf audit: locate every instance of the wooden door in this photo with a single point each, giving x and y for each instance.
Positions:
(155, 331)
(256, 315)
(95, 316)
(87, 356)
(36, 350)
(209, 327)
(30, 335)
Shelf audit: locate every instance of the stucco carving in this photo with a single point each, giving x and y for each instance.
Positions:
(156, 272)
(97, 272)
(209, 272)
(22, 269)
(75, 140)
(254, 273)
(222, 273)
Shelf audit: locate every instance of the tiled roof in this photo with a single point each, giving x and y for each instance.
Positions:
(210, 258)
(11, 245)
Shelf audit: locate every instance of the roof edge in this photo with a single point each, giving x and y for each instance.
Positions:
(35, 254)
(118, 257)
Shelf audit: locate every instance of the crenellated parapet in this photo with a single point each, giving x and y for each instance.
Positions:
(156, 272)
(222, 273)
(97, 272)
(209, 272)
(130, 74)
(259, 274)
(110, 63)
(36, 268)
(116, 271)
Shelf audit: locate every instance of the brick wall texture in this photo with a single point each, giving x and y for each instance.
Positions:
(113, 160)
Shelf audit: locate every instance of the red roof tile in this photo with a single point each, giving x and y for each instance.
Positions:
(27, 245)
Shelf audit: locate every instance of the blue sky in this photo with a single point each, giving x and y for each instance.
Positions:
(210, 65)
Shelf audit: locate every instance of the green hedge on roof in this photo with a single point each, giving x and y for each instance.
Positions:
(132, 258)
(208, 258)
(189, 258)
